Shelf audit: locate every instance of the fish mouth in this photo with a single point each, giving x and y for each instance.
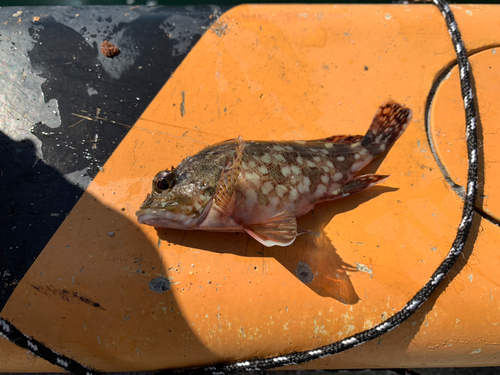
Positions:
(165, 215)
(165, 218)
(170, 217)
(156, 213)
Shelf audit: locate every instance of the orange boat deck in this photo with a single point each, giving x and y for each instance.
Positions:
(97, 293)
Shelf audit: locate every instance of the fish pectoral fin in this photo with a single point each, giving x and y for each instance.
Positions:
(227, 182)
(280, 230)
(359, 184)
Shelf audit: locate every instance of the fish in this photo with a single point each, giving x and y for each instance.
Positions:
(261, 187)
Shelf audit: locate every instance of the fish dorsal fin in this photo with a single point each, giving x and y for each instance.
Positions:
(343, 139)
(229, 176)
(336, 140)
(279, 230)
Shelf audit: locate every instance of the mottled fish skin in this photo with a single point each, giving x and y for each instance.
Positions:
(261, 186)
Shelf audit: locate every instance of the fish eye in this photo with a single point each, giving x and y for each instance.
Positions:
(163, 180)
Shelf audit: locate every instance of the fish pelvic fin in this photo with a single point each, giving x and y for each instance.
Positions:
(280, 230)
(223, 197)
(359, 184)
(389, 122)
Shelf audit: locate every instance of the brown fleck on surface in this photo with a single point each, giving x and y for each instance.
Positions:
(66, 295)
(109, 49)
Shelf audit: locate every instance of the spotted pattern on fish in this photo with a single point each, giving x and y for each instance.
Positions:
(261, 186)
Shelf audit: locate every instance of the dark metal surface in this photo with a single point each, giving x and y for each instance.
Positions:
(64, 107)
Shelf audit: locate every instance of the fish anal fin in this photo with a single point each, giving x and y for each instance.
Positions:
(280, 230)
(359, 184)
(223, 197)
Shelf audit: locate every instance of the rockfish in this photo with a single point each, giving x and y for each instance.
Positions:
(261, 187)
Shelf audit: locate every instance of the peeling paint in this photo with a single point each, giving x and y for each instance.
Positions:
(365, 269)
(183, 104)
(304, 273)
(159, 285)
(319, 329)
(348, 329)
(21, 85)
(79, 178)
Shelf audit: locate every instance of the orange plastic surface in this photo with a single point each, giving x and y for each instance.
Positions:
(278, 72)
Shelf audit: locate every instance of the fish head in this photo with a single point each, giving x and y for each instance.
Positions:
(176, 201)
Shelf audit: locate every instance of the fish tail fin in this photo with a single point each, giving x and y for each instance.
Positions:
(389, 122)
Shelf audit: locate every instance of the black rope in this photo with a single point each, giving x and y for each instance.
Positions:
(13, 334)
